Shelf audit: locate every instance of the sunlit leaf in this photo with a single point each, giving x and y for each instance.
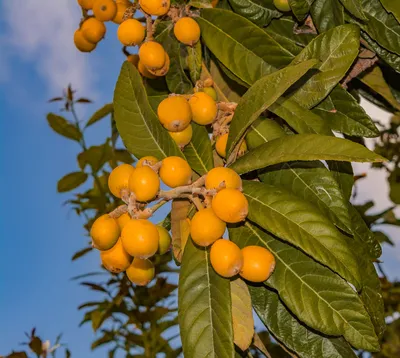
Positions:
(63, 127)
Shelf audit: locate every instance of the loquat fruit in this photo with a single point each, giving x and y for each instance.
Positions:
(145, 72)
(140, 272)
(282, 5)
(164, 242)
(116, 259)
(226, 258)
(221, 177)
(211, 92)
(131, 32)
(187, 31)
(258, 263)
(204, 108)
(119, 178)
(174, 113)
(150, 160)
(123, 220)
(93, 30)
(175, 171)
(86, 4)
(184, 137)
(155, 7)
(152, 55)
(220, 145)
(81, 43)
(140, 238)
(206, 227)
(161, 71)
(230, 205)
(104, 10)
(121, 8)
(144, 183)
(105, 232)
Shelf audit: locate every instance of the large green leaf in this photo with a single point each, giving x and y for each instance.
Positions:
(198, 152)
(260, 96)
(95, 156)
(299, 222)
(204, 312)
(247, 57)
(63, 127)
(304, 147)
(300, 8)
(317, 296)
(261, 12)
(154, 101)
(312, 182)
(354, 7)
(100, 114)
(262, 131)
(392, 7)
(71, 181)
(136, 121)
(336, 49)
(327, 14)
(348, 116)
(381, 26)
(287, 329)
(344, 176)
(194, 61)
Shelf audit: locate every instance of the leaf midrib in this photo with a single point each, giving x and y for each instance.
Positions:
(197, 155)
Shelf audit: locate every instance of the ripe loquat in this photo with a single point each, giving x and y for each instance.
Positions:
(164, 242)
(93, 30)
(220, 145)
(81, 43)
(282, 5)
(187, 31)
(221, 177)
(175, 171)
(144, 183)
(145, 72)
(86, 4)
(105, 232)
(152, 55)
(211, 92)
(116, 259)
(174, 113)
(258, 264)
(204, 108)
(206, 227)
(140, 272)
(150, 160)
(226, 258)
(121, 8)
(119, 178)
(131, 32)
(140, 238)
(104, 10)
(230, 205)
(123, 220)
(155, 7)
(184, 137)
(161, 71)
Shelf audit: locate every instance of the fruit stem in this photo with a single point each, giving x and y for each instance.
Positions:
(149, 26)
(120, 210)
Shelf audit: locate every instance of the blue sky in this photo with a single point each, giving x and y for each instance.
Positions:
(38, 234)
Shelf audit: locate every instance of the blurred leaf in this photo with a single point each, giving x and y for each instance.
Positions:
(61, 126)
(122, 155)
(36, 345)
(17, 355)
(394, 184)
(194, 61)
(95, 156)
(300, 8)
(261, 12)
(71, 181)
(100, 114)
(89, 274)
(200, 4)
(67, 353)
(327, 14)
(83, 100)
(94, 286)
(56, 99)
(81, 253)
(107, 337)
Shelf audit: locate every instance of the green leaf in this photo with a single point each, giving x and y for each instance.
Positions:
(327, 14)
(100, 114)
(355, 8)
(95, 156)
(287, 329)
(394, 184)
(392, 7)
(198, 152)
(260, 96)
(314, 183)
(63, 127)
(262, 131)
(261, 12)
(242, 314)
(200, 4)
(194, 61)
(318, 297)
(81, 253)
(381, 26)
(123, 156)
(336, 49)
(304, 147)
(154, 101)
(300, 8)
(137, 124)
(303, 225)
(344, 176)
(247, 57)
(348, 116)
(71, 181)
(204, 312)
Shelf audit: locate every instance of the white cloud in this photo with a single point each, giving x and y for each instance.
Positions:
(41, 32)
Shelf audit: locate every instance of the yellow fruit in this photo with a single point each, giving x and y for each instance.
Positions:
(144, 183)
(149, 160)
(220, 145)
(155, 7)
(184, 137)
(81, 43)
(175, 171)
(226, 258)
(145, 72)
(152, 55)
(105, 232)
(133, 59)
(204, 108)
(161, 71)
(242, 148)
(218, 176)
(130, 32)
(104, 10)
(206, 227)
(258, 264)
(119, 178)
(123, 220)
(140, 238)
(121, 8)
(187, 31)
(282, 5)
(127, 2)
(93, 30)
(230, 205)
(174, 113)
(140, 272)
(86, 4)
(211, 92)
(116, 259)
(164, 242)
